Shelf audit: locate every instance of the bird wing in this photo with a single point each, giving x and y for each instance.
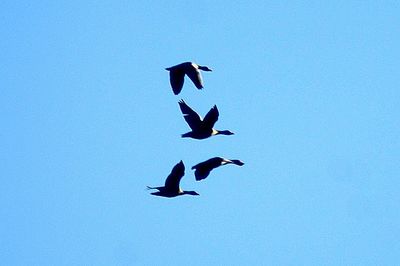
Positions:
(191, 117)
(203, 169)
(176, 78)
(173, 179)
(201, 174)
(211, 117)
(195, 75)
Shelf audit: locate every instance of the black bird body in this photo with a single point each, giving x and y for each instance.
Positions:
(203, 169)
(201, 128)
(192, 70)
(171, 188)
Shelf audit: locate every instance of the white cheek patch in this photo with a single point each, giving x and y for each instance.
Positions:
(225, 161)
(214, 132)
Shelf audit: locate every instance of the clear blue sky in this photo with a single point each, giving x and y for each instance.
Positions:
(311, 90)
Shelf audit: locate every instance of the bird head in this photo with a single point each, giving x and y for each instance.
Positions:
(225, 132)
(193, 193)
(237, 162)
(205, 68)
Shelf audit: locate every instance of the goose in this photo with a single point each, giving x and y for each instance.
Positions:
(203, 169)
(171, 188)
(177, 75)
(201, 129)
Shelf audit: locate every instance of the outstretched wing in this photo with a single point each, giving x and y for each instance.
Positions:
(194, 74)
(211, 117)
(176, 78)
(203, 169)
(201, 174)
(173, 179)
(191, 117)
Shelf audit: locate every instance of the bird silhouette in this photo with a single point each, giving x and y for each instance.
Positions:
(171, 188)
(192, 70)
(203, 169)
(201, 129)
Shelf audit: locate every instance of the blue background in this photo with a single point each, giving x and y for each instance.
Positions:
(88, 119)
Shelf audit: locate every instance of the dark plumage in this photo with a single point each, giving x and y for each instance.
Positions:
(171, 187)
(201, 129)
(203, 169)
(177, 75)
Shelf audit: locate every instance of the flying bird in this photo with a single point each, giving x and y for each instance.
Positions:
(203, 169)
(171, 188)
(192, 70)
(201, 129)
